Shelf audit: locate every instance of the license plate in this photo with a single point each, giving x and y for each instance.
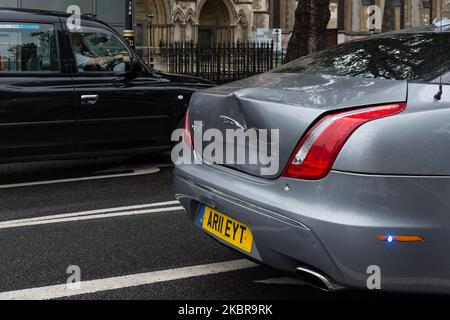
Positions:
(232, 231)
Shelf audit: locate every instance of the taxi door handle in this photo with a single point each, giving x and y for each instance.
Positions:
(89, 100)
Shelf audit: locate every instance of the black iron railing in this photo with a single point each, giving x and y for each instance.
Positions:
(220, 63)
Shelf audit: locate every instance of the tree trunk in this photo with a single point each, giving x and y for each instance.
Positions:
(309, 35)
(389, 16)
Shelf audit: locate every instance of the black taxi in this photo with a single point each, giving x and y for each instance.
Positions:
(81, 91)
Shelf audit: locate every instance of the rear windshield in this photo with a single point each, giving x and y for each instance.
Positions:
(397, 57)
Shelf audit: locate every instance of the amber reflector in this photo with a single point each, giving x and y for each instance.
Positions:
(391, 238)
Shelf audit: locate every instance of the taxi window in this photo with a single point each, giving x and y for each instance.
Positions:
(28, 47)
(98, 50)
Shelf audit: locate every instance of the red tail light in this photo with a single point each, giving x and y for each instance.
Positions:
(317, 151)
(187, 134)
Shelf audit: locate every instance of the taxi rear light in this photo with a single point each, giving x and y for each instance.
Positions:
(318, 149)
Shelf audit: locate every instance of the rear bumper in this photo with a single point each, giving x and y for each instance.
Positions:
(332, 224)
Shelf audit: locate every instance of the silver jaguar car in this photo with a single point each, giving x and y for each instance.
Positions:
(361, 135)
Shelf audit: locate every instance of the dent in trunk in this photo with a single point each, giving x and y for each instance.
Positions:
(289, 103)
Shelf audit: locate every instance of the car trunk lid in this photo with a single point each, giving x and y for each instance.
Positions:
(289, 103)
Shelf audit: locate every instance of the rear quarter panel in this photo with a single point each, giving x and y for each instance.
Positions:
(415, 142)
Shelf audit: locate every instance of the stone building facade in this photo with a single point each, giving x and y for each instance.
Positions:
(211, 21)
(203, 21)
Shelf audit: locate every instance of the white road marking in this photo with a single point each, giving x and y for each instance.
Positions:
(139, 172)
(93, 286)
(27, 222)
(283, 281)
(91, 212)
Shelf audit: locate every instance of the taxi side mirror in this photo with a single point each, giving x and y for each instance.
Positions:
(135, 69)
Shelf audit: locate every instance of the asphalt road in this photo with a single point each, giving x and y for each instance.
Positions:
(116, 220)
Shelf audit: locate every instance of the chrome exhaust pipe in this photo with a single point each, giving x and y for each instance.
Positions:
(317, 280)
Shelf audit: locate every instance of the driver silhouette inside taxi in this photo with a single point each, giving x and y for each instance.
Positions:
(84, 62)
